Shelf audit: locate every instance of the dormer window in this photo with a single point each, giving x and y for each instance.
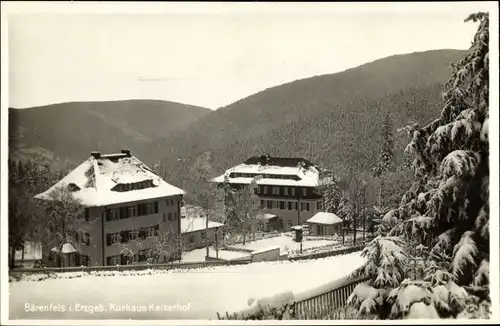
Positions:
(73, 187)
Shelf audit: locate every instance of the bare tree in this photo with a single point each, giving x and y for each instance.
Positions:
(63, 221)
(152, 246)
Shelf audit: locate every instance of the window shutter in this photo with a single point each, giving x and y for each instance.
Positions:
(140, 209)
(108, 215)
(156, 207)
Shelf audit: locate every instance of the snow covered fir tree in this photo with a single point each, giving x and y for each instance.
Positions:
(432, 258)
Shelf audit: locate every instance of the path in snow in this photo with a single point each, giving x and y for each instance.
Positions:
(207, 290)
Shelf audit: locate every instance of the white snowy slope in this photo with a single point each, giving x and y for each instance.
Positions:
(207, 290)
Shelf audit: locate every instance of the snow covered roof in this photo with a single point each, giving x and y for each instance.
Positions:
(112, 179)
(274, 171)
(32, 251)
(266, 216)
(67, 248)
(324, 218)
(191, 224)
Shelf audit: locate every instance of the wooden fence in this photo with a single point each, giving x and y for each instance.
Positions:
(306, 306)
(166, 266)
(324, 304)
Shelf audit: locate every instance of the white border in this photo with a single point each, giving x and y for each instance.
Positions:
(234, 8)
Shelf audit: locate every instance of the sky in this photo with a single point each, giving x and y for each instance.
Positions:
(211, 58)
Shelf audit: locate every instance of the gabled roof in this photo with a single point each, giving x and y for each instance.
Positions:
(281, 171)
(191, 224)
(325, 218)
(112, 179)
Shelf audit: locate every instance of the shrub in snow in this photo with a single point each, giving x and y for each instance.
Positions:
(431, 258)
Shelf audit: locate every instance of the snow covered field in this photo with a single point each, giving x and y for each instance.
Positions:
(202, 292)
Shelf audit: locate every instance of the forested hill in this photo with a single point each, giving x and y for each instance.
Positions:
(69, 131)
(333, 120)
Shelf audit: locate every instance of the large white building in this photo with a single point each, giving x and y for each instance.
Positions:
(124, 200)
(287, 188)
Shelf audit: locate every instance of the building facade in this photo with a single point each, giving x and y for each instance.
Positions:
(286, 187)
(126, 203)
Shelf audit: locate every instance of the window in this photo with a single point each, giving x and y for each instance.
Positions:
(304, 192)
(167, 202)
(164, 218)
(290, 205)
(302, 206)
(285, 190)
(203, 235)
(276, 190)
(112, 214)
(282, 205)
(142, 255)
(84, 260)
(124, 236)
(292, 191)
(262, 204)
(132, 211)
(170, 216)
(175, 216)
(112, 238)
(319, 205)
(151, 231)
(87, 214)
(296, 206)
(308, 208)
(148, 209)
(191, 238)
(269, 204)
(171, 202)
(257, 190)
(265, 190)
(133, 234)
(86, 238)
(113, 260)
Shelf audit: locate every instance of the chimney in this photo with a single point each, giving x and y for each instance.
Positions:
(126, 151)
(96, 154)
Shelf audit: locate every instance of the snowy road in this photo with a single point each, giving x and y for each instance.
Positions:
(202, 293)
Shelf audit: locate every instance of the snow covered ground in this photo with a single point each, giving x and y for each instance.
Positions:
(285, 243)
(202, 292)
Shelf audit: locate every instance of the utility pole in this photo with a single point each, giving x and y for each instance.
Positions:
(298, 205)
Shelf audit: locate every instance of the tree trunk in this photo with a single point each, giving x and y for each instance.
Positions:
(343, 234)
(244, 229)
(206, 236)
(12, 261)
